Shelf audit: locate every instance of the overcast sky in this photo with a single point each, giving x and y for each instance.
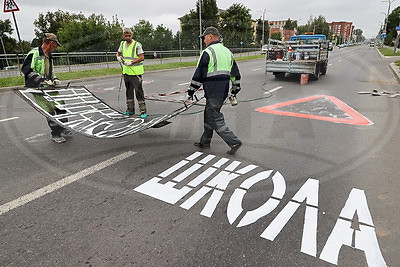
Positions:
(365, 14)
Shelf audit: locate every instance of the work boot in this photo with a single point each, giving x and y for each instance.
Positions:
(58, 139)
(235, 148)
(67, 132)
(130, 107)
(200, 145)
(129, 113)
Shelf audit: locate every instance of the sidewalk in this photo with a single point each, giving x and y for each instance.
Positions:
(393, 66)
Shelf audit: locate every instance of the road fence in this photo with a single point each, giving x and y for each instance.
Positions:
(76, 61)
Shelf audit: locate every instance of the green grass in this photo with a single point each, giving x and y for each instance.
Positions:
(397, 63)
(389, 52)
(19, 80)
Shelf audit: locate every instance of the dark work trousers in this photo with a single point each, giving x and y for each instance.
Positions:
(56, 130)
(214, 121)
(134, 87)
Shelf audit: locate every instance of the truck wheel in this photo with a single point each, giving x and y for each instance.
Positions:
(317, 72)
(279, 75)
(324, 69)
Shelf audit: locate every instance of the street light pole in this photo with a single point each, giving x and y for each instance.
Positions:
(387, 16)
(263, 28)
(201, 39)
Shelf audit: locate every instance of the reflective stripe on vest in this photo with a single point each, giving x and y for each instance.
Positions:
(130, 54)
(221, 60)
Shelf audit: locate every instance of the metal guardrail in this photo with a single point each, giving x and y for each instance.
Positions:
(76, 61)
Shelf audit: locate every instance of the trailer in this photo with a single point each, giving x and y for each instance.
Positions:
(302, 54)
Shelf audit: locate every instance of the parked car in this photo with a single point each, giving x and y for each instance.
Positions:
(371, 44)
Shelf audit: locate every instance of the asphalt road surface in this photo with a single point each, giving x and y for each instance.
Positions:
(315, 183)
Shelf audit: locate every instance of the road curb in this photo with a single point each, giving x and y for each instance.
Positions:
(396, 70)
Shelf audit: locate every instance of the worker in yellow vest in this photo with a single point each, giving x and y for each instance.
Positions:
(130, 54)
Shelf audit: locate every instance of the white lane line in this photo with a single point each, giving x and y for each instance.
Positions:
(339, 60)
(109, 89)
(256, 69)
(273, 90)
(32, 139)
(9, 119)
(63, 182)
(184, 83)
(329, 64)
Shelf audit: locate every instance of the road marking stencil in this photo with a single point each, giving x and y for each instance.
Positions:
(201, 176)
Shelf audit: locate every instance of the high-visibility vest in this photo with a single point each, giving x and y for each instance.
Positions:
(221, 60)
(38, 65)
(129, 53)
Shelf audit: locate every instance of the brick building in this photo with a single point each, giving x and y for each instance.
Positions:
(342, 29)
(278, 26)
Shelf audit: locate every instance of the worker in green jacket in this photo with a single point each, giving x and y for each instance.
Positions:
(130, 54)
(38, 70)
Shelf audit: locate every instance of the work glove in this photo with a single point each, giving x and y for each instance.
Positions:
(128, 63)
(190, 92)
(48, 82)
(235, 89)
(120, 59)
(56, 82)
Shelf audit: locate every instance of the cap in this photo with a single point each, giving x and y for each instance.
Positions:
(127, 30)
(52, 37)
(210, 30)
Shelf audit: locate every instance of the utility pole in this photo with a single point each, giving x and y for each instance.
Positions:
(263, 28)
(200, 30)
(387, 14)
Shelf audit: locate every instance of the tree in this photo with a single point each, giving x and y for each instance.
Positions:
(317, 25)
(393, 21)
(53, 22)
(276, 36)
(236, 25)
(93, 33)
(290, 24)
(163, 39)
(191, 26)
(259, 30)
(143, 32)
(190, 30)
(358, 34)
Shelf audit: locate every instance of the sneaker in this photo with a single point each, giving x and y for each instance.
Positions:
(144, 115)
(67, 132)
(58, 139)
(129, 113)
(235, 148)
(200, 145)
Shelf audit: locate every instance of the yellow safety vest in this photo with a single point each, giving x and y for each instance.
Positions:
(130, 53)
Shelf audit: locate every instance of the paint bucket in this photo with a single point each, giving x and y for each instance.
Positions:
(304, 79)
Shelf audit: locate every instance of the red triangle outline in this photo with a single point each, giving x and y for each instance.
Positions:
(356, 118)
(10, 10)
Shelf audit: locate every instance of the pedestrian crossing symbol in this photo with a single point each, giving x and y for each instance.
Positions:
(10, 5)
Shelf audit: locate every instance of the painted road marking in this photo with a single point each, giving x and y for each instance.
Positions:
(330, 64)
(210, 170)
(273, 90)
(256, 69)
(354, 117)
(184, 83)
(63, 182)
(9, 119)
(33, 138)
(109, 89)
